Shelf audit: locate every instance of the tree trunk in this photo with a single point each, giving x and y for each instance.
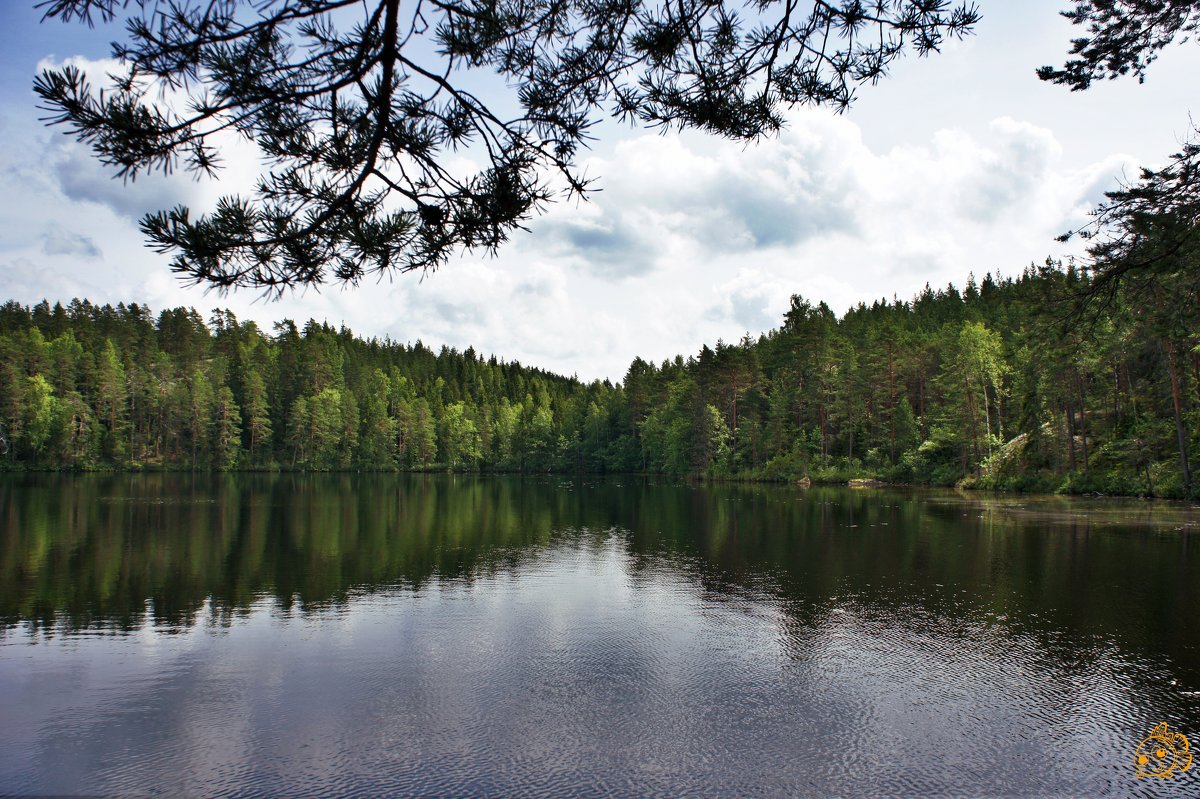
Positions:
(999, 415)
(974, 424)
(1083, 425)
(1196, 370)
(1180, 432)
(1070, 434)
(1116, 399)
(892, 399)
(1196, 356)
(1132, 396)
(821, 420)
(921, 396)
(987, 418)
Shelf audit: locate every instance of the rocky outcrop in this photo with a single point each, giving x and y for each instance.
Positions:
(865, 482)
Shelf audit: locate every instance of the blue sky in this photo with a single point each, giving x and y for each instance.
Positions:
(959, 162)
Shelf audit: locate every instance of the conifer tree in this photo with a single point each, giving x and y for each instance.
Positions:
(359, 108)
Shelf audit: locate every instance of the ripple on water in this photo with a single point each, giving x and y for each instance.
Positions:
(585, 669)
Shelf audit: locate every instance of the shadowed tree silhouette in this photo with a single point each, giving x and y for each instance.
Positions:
(365, 110)
(1124, 37)
(1146, 230)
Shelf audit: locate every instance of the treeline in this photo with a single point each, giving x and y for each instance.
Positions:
(1038, 383)
(1005, 384)
(95, 386)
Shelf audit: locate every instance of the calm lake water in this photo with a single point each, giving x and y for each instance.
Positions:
(457, 636)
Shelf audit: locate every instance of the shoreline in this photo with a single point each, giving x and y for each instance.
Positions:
(857, 483)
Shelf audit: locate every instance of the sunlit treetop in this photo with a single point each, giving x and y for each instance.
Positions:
(365, 110)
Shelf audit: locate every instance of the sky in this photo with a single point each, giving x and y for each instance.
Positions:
(962, 162)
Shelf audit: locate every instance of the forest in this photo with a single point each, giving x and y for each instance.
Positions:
(1005, 384)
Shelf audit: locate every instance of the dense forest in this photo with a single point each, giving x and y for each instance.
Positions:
(1003, 384)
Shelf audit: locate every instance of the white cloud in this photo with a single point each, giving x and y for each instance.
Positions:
(690, 241)
(80, 175)
(82, 178)
(56, 241)
(846, 224)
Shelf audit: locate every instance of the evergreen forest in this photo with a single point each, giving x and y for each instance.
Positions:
(1009, 383)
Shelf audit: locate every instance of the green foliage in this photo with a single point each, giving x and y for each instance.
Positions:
(117, 388)
(984, 387)
(40, 412)
(323, 426)
(377, 442)
(788, 466)
(460, 441)
(258, 421)
(227, 430)
(110, 392)
(904, 425)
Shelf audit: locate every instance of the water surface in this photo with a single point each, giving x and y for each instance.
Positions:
(453, 636)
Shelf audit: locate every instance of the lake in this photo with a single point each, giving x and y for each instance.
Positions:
(439, 635)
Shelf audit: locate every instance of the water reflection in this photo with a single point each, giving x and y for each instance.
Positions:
(439, 635)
